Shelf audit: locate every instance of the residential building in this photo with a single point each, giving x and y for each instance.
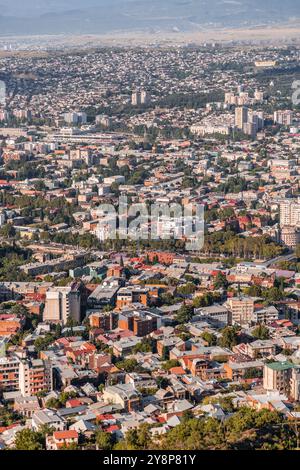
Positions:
(9, 374)
(277, 376)
(62, 304)
(35, 376)
(123, 394)
(62, 439)
(241, 309)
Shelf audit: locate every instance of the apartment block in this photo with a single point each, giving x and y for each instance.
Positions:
(35, 376)
(290, 213)
(277, 376)
(9, 374)
(129, 295)
(241, 309)
(142, 323)
(62, 304)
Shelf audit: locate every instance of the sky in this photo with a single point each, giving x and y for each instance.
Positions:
(37, 7)
(101, 16)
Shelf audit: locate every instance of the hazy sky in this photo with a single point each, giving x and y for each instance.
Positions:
(17, 7)
(89, 16)
(30, 7)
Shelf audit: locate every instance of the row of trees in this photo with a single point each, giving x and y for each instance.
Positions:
(56, 211)
(230, 244)
(245, 429)
(11, 258)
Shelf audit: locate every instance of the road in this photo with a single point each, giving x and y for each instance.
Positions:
(288, 257)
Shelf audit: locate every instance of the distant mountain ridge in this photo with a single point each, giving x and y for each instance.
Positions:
(106, 16)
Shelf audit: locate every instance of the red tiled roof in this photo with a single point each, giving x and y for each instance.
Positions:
(89, 347)
(177, 371)
(73, 403)
(5, 428)
(112, 428)
(71, 434)
(63, 341)
(161, 419)
(105, 417)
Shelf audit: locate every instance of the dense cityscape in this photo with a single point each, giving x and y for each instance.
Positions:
(133, 342)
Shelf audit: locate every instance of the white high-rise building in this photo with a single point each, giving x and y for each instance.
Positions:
(241, 117)
(135, 98)
(2, 218)
(285, 118)
(138, 98)
(290, 213)
(259, 95)
(75, 118)
(144, 97)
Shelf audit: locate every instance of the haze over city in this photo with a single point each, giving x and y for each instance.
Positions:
(105, 16)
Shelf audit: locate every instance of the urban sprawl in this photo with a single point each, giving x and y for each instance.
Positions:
(128, 343)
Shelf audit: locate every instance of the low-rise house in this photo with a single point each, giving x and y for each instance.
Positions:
(26, 406)
(48, 418)
(205, 369)
(217, 313)
(261, 348)
(85, 427)
(177, 408)
(125, 346)
(140, 381)
(164, 397)
(265, 315)
(61, 439)
(9, 435)
(237, 370)
(124, 394)
(292, 343)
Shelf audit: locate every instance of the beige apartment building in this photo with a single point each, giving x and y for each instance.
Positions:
(290, 236)
(62, 304)
(241, 309)
(241, 117)
(295, 385)
(277, 376)
(290, 213)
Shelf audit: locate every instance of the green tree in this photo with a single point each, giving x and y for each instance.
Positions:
(253, 373)
(136, 439)
(53, 403)
(186, 289)
(129, 365)
(209, 338)
(261, 332)
(146, 345)
(70, 446)
(185, 314)
(27, 439)
(58, 331)
(171, 363)
(162, 382)
(220, 281)
(229, 337)
(7, 231)
(42, 343)
(104, 440)
(65, 396)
